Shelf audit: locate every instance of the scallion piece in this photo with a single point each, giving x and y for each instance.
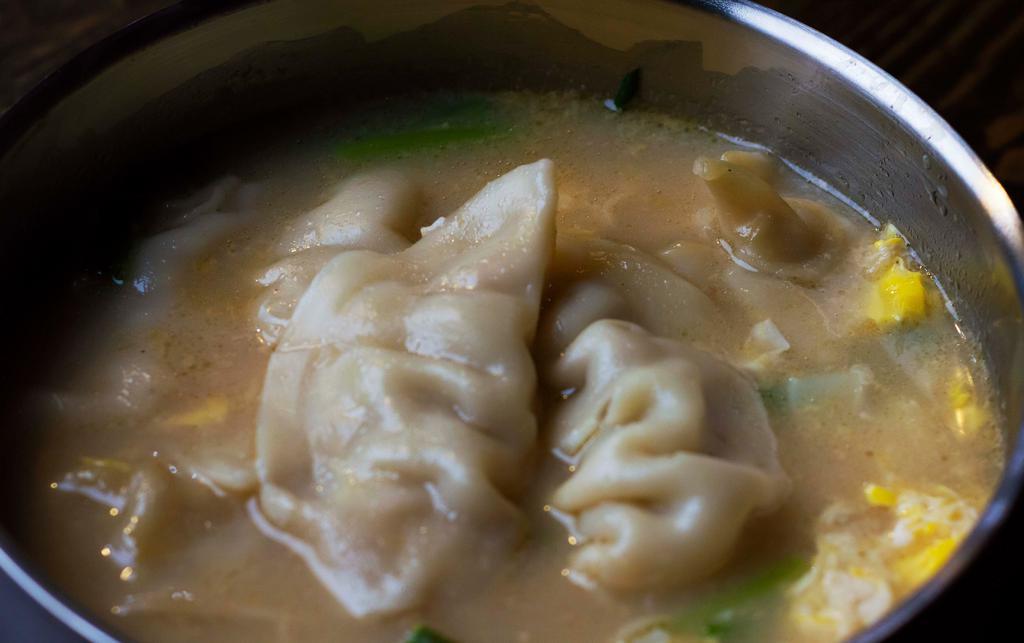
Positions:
(727, 612)
(628, 87)
(424, 634)
(400, 143)
(436, 123)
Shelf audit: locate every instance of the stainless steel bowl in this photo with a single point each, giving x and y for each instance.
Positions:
(196, 69)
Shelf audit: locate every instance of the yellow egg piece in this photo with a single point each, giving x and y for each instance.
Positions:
(879, 496)
(898, 297)
(919, 567)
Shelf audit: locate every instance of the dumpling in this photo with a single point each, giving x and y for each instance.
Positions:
(374, 211)
(673, 452)
(370, 211)
(227, 194)
(192, 228)
(646, 289)
(396, 423)
(698, 262)
(791, 238)
(144, 501)
(812, 327)
(284, 282)
(576, 307)
(133, 377)
(761, 164)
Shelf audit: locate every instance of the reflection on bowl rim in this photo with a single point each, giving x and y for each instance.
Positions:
(878, 86)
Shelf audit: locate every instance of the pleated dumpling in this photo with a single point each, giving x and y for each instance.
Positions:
(673, 452)
(396, 423)
(598, 279)
(791, 238)
(375, 210)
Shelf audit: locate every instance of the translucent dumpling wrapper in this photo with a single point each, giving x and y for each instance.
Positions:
(143, 502)
(284, 282)
(370, 211)
(792, 238)
(813, 328)
(576, 307)
(761, 164)
(187, 233)
(396, 424)
(673, 453)
(622, 280)
(191, 228)
(696, 261)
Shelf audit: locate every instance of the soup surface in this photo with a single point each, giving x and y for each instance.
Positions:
(628, 393)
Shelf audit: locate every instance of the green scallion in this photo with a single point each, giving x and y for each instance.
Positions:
(628, 88)
(423, 634)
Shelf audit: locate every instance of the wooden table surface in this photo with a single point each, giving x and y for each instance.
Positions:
(963, 57)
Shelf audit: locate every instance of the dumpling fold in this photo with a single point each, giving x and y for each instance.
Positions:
(672, 452)
(396, 425)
